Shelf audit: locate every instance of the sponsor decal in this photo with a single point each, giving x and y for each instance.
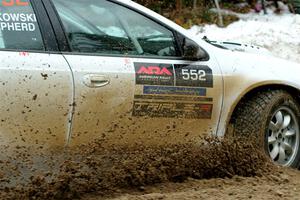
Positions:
(177, 75)
(174, 90)
(154, 70)
(194, 76)
(19, 22)
(8, 3)
(154, 74)
(174, 98)
(17, 19)
(188, 107)
(172, 110)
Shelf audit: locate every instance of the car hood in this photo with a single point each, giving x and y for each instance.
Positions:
(262, 67)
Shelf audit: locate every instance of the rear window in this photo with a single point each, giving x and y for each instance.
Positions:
(19, 29)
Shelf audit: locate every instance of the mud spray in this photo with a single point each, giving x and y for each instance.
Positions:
(93, 168)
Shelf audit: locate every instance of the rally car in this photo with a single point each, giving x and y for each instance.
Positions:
(73, 71)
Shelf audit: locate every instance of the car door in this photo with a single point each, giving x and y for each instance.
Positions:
(131, 84)
(35, 85)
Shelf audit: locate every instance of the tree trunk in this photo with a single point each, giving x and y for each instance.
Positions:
(178, 5)
(221, 23)
(195, 4)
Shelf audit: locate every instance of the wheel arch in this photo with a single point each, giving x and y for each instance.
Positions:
(253, 91)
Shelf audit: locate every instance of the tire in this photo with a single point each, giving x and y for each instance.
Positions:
(272, 117)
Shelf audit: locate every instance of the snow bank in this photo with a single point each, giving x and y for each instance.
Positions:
(278, 33)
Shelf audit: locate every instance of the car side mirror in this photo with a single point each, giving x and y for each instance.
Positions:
(192, 51)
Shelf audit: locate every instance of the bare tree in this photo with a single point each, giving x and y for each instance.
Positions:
(178, 5)
(195, 4)
(221, 23)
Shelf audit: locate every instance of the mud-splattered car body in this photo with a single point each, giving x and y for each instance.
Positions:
(63, 94)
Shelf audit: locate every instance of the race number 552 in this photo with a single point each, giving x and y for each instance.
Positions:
(193, 74)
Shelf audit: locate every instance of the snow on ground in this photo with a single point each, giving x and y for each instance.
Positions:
(278, 33)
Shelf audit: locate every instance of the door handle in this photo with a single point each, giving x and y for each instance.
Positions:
(95, 80)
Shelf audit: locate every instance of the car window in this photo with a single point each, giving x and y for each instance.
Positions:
(94, 26)
(19, 29)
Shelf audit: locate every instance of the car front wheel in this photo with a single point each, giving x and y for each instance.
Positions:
(272, 117)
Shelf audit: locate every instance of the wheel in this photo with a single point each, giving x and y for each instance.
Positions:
(273, 118)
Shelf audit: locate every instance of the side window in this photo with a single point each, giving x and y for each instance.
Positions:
(19, 29)
(153, 38)
(94, 26)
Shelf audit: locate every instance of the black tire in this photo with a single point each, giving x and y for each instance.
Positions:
(254, 115)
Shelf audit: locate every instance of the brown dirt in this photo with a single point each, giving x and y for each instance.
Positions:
(186, 171)
(282, 185)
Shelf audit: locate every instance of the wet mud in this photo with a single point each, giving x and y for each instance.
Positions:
(92, 168)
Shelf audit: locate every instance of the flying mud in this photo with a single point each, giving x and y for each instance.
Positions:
(69, 174)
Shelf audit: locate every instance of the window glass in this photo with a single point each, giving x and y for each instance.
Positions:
(19, 29)
(105, 27)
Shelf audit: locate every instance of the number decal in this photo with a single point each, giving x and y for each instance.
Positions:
(193, 74)
(202, 75)
(185, 74)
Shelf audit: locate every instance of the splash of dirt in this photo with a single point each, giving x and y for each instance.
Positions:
(93, 168)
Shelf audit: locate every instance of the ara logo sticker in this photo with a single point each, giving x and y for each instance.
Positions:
(154, 74)
(154, 70)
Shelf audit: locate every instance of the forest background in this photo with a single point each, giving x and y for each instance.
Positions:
(196, 12)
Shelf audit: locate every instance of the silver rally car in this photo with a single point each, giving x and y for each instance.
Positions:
(73, 71)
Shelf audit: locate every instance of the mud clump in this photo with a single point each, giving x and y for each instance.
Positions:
(93, 168)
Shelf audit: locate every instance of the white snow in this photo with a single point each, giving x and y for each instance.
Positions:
(278, 33)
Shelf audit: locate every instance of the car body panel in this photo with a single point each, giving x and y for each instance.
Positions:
(244, 72)
(115, 113)
(36, 93)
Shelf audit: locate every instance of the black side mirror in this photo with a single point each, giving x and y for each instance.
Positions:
(192, 51)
